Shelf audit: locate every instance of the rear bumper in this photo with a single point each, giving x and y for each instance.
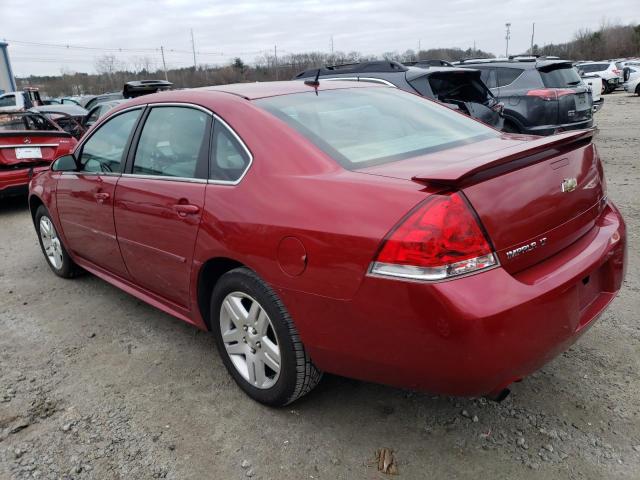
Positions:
(553, 129)
(16, 182)
(469, 336)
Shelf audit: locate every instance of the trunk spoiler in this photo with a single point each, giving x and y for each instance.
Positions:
(483, 167)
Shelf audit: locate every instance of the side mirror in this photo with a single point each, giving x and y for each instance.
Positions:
(66, 163)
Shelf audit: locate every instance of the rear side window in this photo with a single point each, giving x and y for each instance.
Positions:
(594, 67)
(229, 158)
(507, 76)
(562, 77)
(489, 77)
(104, 150)
(172, 142)
(371, 126)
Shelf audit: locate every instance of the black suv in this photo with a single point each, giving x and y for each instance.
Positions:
(540, 96)
(458, 88)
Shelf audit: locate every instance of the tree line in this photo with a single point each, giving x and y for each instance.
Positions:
(610, 41)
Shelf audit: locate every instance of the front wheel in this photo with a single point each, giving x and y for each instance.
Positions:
(57, 257)
(258, 342)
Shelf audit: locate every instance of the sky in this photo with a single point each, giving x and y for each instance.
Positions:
(222, 30)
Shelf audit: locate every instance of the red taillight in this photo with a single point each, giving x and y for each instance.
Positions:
(440, 239)
(616, 71)
(549, 94)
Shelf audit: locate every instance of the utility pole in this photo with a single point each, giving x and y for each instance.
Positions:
(533, 32)
(507, 37)
(332, 46)
(193, 47)
(164, 64)
(275, 54)
(474, 47)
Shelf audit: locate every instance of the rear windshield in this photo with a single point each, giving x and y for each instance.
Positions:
(361, 127)
(24, 122)
(562, 77)
(593, 67)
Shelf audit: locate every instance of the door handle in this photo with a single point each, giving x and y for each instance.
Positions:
(186, 209)
(101, 197)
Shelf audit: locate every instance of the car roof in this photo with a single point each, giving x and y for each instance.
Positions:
(253, 91)
(521, 64)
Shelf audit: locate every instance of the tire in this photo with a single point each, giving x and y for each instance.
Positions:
(53, 250)
(248, 345)
(603, 89)
(638, 90)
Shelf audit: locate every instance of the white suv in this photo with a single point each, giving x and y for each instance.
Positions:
(611, 75)
(632, 85)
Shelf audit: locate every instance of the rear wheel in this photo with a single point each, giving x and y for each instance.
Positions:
(638, 90)
(258, 341)
(57, 257)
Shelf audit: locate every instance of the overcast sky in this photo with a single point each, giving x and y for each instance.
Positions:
(247, 28)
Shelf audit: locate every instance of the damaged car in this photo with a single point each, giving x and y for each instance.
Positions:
(458, 88)
(29, 142)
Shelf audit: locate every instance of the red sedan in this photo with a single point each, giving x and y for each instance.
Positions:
(29, 142)
(345, 228)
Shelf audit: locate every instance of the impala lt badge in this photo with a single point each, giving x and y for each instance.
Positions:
(569, 185)
(511, 254)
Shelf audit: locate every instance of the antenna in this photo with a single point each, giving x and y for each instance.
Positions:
(315, 82)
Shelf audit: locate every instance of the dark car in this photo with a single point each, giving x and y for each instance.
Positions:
(345, 227)
(540, 96)
(99, 110)
(136, 88)
(105, 97)
(459, 88)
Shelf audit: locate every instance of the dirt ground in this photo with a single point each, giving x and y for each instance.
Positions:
(95, 384)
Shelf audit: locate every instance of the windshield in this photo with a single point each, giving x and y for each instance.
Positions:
(24, 122)
(562, 77)
(593, 67)
(361, 127)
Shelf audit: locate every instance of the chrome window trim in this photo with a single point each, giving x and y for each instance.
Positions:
(81, 145)
(93, 174)
(165, 177)
(29, 145)
(216, 118)
(362, 79)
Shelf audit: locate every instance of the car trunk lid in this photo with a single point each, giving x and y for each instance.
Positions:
(534, 197)
(564, 86)
(30, 148)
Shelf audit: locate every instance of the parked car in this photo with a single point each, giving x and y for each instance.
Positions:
(401, 242)
(24, 100)
(458, 88)
(29, 142)
(632, 85)
(540, 96)
(105, 97)
(611, 75)
(594, 82)
(69, 117)
(137, 88)
(98, 111)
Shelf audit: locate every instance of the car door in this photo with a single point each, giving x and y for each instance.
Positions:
(85, 197)
(160, 198)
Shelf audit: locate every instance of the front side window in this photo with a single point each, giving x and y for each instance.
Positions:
(8, 101)
(229, 159)
(172, 142)
(104, 151)
(371, 126)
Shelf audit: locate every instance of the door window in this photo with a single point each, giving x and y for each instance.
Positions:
(507, 76)
(104, 151)
(8, 101)
(229, 159)
(172, 142)
(488, 76)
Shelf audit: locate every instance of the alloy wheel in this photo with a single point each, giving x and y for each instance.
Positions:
(51, 243)
(250, 340)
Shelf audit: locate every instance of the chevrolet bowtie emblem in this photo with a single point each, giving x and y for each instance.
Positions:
(26, 140)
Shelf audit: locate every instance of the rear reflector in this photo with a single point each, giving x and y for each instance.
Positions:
(440, 239)
(549, 94)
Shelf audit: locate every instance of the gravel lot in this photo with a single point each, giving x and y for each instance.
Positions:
(95, 384)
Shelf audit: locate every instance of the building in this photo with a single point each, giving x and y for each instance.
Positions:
(7, 81)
